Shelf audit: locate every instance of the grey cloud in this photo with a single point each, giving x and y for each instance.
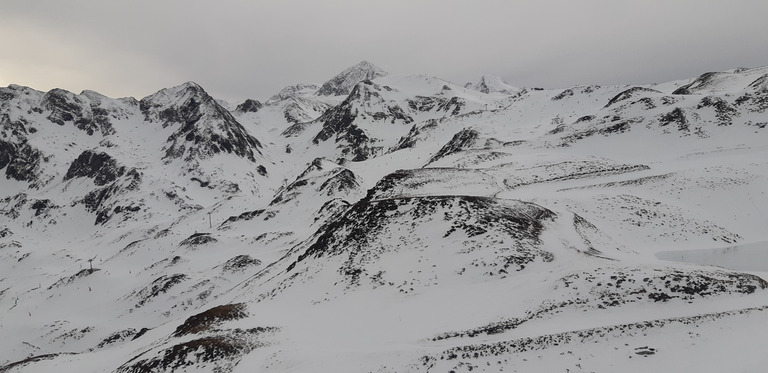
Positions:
(239, 49)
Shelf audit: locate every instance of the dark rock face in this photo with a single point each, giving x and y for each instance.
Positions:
(96, 202)
(563, 94)
(248, 215)
(334, 181)
(410, 140)
(99, 166)
(760, 85)
(339, 121)
(429, 103)
(206, 320)
(218, 353)
(206, 128)
(240, 263)
(15, 131)
(43, 206)
(103, 201)
(676, 116)
(117, 337)
(359, 234)
(159, 286)
(197, 239)
(66, 107)
(249, 106)
(344, 180)
(701, 82)
(629, 93)
(341, 84)
(68, 280)
(463, 139)
(21, 161)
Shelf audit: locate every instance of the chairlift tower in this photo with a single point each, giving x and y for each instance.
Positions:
(90, 262)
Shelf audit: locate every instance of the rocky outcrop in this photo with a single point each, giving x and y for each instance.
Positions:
(66, 107)
(342, 84)
(99, 166)
(249, 106)
(203, 127)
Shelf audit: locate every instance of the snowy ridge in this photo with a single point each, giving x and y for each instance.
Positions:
(494, 84)
(388, 224)
(342, 84)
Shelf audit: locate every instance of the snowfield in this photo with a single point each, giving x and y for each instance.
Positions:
(380, 223)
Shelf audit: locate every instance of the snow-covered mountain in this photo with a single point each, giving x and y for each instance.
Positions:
(388, 224)
(494, 84)
(342, 84)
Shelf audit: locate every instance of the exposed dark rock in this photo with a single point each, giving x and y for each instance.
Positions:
(95, 201)
(429, 103)
(647, 102)
(676, 116)
(462, 140)
(66, 107)
(303, 111)
(341, 84)
(5, 232)
(203, 184)
(99, 166)
(335, 180)
(140, 333)
(629, 93)
(30, 360)
(701, 82)
(159, 286)
(388, 182)
(242, 217)
(489, 329)
(339, 122)
(68, 280)
(409, 140)
(197, 239)
(249, 106)
(240, 263)
(15, 130)
(218, 353)
(760, 85)
(462, 354)
(205, 128)
(342, 181)
(563, 94)
(261, 170)
(43, 206)
(620, 126)
(723, 110)
(210, 318)
(21, 161)
(358, 229)
(117, 337)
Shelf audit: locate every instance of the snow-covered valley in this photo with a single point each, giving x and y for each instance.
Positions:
(380, 223)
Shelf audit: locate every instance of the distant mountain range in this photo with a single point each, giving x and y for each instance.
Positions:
(385, 223)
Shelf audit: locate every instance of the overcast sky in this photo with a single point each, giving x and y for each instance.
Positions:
(251, 49)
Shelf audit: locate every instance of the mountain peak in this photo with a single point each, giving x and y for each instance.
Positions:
(343, 83)
(493, 84)
(203, 127)
(191, 85)
(175, 96)
(293, 90)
